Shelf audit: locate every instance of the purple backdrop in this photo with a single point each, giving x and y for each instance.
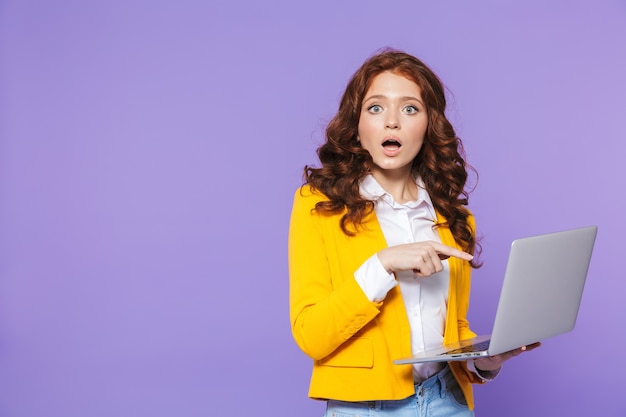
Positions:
(148, 156)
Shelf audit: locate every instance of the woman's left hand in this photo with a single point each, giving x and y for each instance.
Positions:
(494, 363)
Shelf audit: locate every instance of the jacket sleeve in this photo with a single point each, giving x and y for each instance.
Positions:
(325, 309)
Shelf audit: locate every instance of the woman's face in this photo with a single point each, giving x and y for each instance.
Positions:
(392, 123)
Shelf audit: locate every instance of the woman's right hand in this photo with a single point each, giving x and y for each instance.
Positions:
(424, 258)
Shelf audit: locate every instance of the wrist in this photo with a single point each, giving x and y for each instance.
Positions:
(383, 259)
(486, 373)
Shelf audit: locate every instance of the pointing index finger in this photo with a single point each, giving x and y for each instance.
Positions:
(444, 252)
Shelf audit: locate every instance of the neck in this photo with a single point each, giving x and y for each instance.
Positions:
(401, 187)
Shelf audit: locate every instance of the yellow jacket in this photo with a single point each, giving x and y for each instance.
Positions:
(353, 341)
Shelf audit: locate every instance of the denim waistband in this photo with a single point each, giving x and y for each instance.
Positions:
(434, 385)
(437, 382)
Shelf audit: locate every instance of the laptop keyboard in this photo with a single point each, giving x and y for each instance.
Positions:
(476, 347)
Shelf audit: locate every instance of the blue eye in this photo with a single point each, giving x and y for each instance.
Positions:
(410, 109)
(375, 108)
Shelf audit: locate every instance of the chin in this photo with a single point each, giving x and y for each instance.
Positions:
(394, 167)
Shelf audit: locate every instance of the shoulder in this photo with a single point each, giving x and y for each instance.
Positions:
(305, 206)
(308, 195)
(469, 219)
(305, 218)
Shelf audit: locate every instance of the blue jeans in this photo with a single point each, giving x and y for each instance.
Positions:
(438, 396)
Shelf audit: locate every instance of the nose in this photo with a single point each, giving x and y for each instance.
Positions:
(391, 122)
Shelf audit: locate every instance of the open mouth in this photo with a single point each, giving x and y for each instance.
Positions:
(391, 143)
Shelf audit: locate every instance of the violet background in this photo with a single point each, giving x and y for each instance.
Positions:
(149, 152)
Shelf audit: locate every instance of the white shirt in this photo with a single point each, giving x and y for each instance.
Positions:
(425, 298)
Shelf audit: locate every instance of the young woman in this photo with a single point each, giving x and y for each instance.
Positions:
(381, 247)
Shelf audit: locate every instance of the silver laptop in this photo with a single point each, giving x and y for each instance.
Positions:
(540, 297)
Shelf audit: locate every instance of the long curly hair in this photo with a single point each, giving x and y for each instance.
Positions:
(440, 162)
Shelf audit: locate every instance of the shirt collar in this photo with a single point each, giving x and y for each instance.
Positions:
(372, 190)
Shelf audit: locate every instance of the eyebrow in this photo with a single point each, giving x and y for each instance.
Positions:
(404, 98)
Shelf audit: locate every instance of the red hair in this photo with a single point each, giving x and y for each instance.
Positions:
(440, 162)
